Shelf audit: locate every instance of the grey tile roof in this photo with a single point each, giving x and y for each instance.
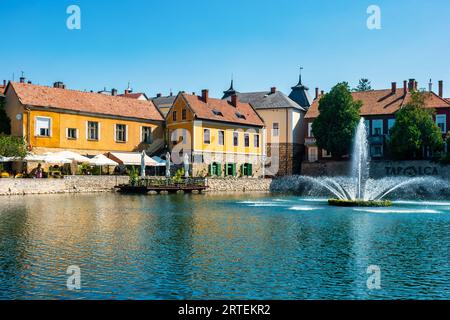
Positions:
(268, 100)
(164, 101)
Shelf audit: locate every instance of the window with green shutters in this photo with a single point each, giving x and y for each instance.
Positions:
(215, 169)
(230, 169)
(246, 169)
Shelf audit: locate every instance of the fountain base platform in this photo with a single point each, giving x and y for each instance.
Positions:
(359, 203)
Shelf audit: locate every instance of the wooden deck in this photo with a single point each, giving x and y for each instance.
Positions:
(147, 185)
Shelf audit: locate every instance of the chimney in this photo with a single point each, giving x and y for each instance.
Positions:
(234, 100)
(411, 85)
(322, 93)
(394, 87)
(416, 85)
(430, 86)
(193, 93)
(127, 91)
(22, 80)
(114, 92)
(4, 83)
(441, 88)
(205, 95)
(158, 95)
(273, 90)
(317, 93)
(405, 87)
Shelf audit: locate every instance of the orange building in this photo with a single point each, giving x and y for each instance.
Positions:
(54, 118)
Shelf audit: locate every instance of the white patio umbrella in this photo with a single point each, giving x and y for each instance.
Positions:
(186, 165)
(102, 160)
(73, 156)
(143, 155)
(55, 159)
(168, 165)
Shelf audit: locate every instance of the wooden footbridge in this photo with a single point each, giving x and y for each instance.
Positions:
(169, 185)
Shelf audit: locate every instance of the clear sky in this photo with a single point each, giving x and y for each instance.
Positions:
(160, 45)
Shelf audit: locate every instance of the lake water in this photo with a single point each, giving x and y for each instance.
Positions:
(240, 246)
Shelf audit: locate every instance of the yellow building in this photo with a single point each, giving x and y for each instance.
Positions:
(54, 118)
(223, 138)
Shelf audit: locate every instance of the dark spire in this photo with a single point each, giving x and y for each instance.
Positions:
(230, 91)
(300, 93)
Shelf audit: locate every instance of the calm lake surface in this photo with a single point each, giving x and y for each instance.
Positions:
(241, 246)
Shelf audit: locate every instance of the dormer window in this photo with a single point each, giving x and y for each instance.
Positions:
(240, 115)
(217, 113)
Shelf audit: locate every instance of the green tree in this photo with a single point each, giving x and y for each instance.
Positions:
(363, 85)
(5, 123)
(12, 146)
(414, 129)
(335, 126)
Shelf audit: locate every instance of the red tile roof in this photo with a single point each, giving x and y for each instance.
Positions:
(382, 102)
(42, 96)
(229, 113)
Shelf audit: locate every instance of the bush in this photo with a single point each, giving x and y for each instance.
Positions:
(359, 203)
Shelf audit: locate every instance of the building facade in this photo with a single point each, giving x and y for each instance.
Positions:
(283, 119)
(54, 118)
(222, 138)
(379, 109)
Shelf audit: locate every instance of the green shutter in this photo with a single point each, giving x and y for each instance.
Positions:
(210, 169)
(234, 169)
(242, 170)
(219, 169)
(250, 170)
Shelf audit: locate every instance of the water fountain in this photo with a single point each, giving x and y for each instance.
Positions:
(358, 189)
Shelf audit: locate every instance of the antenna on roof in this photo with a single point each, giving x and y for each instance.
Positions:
(430, 85)
(300, 76)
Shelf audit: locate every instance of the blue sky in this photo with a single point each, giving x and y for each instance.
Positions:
(160, 45)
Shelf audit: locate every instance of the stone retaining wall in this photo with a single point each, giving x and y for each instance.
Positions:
(70, 184)
(238, 184)
(86, 184)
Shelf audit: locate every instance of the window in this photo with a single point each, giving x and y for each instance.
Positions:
(217, 113)
(312, 154)
(256, 140)
(441, 121)
(206, 136)
(121, 133)
(240, 115)
(246, 140)
(230, 169)
(391, 123)
(174, 116)
(235, 139)
(275, 129)
(43, 126)
(183, 114)
(221, 138)
(247, 169)
(310, 132)
(147, 135)
(377, 127)
(72, 133)
(93, 132)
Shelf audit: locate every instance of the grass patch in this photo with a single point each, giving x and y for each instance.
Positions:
(359, 203)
